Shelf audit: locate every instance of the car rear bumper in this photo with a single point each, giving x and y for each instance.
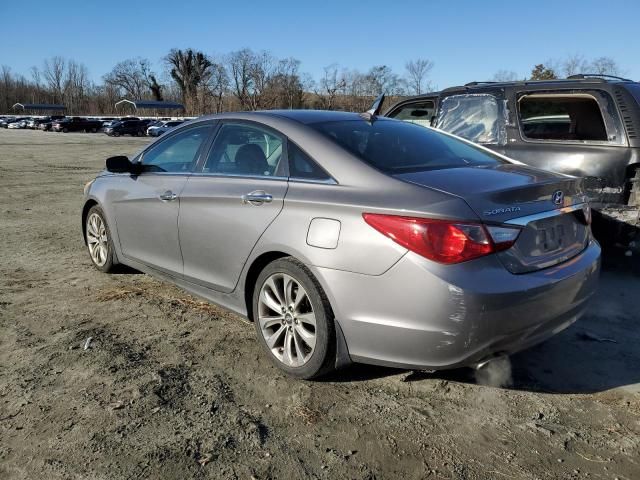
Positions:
(429, 316)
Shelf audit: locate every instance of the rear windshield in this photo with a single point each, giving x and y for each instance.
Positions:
(398, 147)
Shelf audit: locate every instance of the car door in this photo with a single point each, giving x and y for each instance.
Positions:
(146, 209)
(578, 132)
(229, 202)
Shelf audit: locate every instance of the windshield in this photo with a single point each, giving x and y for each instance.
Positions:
(398, 147)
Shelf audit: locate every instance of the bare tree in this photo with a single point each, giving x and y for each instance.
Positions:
(190, 69)
(132, 76)
(76, 86)
(505, 76)
(605, 66)
(6, 86)
(417, 73)
(155, 87)
(330, 85)
(262, 71)
(218, 86)
(54, 73)
(287, 84)
(240, 65)
(574, 64)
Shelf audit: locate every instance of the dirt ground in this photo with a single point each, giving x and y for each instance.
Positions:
(170, 387)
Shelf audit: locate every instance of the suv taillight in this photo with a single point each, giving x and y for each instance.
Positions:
(443, 241)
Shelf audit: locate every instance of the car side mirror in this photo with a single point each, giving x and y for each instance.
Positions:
(121, 164)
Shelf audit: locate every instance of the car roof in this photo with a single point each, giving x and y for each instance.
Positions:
(306, 117)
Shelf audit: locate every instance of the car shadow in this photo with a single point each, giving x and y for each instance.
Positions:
(601, 351)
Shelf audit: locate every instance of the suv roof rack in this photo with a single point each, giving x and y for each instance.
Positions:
(587, 77)
(473, 84)
(580, 76)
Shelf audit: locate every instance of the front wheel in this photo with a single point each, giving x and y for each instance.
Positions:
(294, 320)
(98, 238)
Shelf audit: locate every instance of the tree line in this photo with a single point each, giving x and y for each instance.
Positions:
(241, 80)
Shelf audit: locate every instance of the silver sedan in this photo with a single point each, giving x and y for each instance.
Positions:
(351, 238)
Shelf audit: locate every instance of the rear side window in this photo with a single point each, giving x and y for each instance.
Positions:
(301, 166)
(575, 116)
(399, 147)
(419, 113)
(474, 117)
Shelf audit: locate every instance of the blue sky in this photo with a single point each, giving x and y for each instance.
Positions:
(468, 40)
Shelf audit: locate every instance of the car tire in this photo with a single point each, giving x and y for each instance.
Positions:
(294, 326)
(65, 130)
(116, 134)
(94, 130)
(96, 229)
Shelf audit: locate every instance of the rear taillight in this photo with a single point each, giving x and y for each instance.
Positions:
(443, 241)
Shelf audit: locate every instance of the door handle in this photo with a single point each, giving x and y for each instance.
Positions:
(257, 198)
(168, 196)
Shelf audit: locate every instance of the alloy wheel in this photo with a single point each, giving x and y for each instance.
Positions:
(97, 239)
(287, 320)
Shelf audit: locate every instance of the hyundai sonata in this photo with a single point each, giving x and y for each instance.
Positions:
(351, 238)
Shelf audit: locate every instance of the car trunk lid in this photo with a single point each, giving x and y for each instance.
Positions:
(547, 207)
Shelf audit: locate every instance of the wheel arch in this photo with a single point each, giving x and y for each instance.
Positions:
(343, 358)
(253, 272)
(85, 211)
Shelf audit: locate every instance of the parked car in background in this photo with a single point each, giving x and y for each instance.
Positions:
(586, 125)
(351, 238)
(20, 123)
(158, 130)
(153, 123)
(37, 123)
(4, 123)
(45, 125)
(126, 127)
(76, 124)
(107, 122)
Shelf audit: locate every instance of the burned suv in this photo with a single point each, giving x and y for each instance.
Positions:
(586, 125)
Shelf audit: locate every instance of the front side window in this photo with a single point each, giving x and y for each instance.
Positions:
(399, 147)
(242, 149)
(419, 113)
(567, 116)
(474, 117)
(177, 153)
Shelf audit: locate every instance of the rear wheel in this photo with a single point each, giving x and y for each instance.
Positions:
(116, 134)
(294, 320)
(98, 239)
(65, 130)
